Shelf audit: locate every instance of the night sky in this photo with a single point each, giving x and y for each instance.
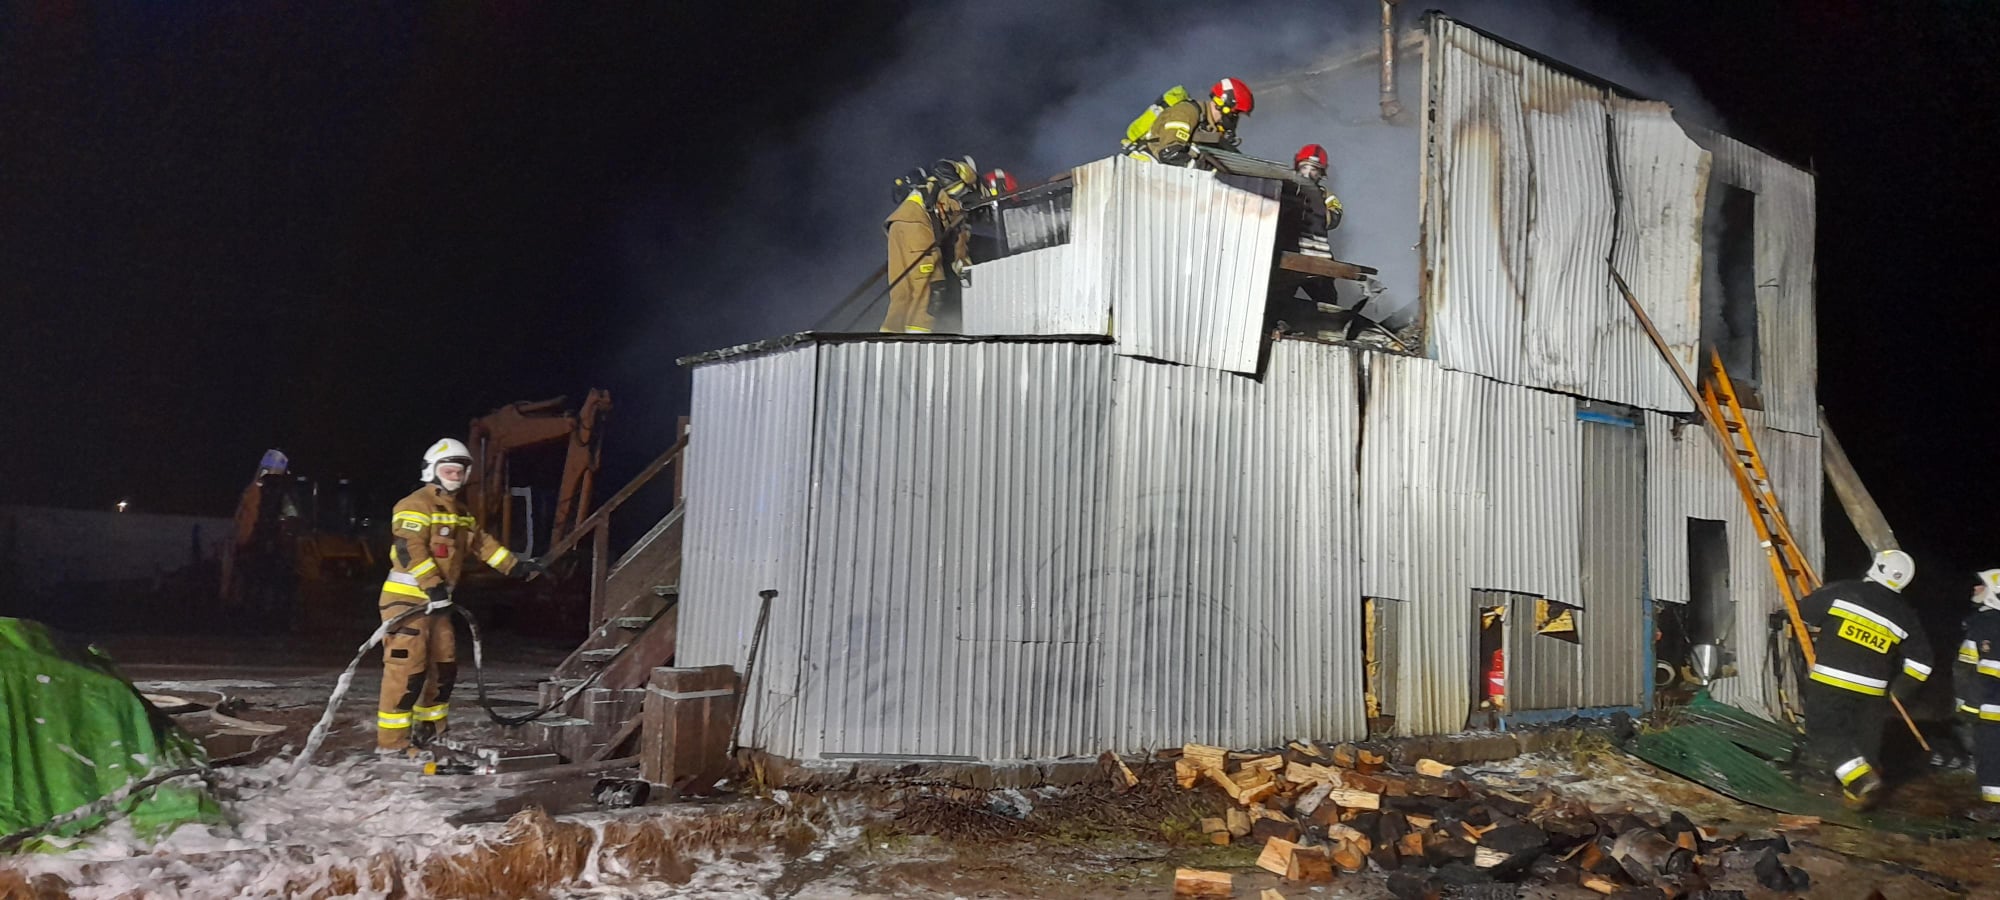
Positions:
(343, 229)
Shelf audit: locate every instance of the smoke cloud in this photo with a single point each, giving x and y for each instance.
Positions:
(1038, 87)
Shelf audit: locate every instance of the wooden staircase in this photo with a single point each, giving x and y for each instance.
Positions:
(634, 611)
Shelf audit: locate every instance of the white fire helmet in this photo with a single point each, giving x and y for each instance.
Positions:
(1987, 592)
(446, 450)
(1892, 569)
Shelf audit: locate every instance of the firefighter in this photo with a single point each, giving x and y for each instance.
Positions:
(998, 184)
(1867, 639)
(432, 537)
(930, 217)
(1166, 131)
(1317, 211)
(1977, 678)
(1320, 208)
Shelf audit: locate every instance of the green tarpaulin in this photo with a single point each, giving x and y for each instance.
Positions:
(73, 732)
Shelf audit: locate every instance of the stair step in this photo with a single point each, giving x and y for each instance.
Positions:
(666, 590)
(632, 623)
(602, 655)
(556, 722)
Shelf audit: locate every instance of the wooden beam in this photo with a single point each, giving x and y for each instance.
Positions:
(1321, 266)
(1854, 497)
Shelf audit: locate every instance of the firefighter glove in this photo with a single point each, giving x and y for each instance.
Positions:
(527, 567)
(963, 271)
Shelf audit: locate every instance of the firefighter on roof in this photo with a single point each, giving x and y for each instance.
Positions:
(432, 536)
(1167, 130)
(929, 219)
(1320, 207)
(1868, 645)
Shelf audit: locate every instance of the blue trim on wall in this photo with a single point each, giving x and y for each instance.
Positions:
(1604, 418)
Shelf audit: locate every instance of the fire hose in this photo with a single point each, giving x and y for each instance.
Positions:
(320, 729)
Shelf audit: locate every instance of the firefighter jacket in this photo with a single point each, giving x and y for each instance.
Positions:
(431, 537)
(1976, 676)
(1319, 208)
(1173, 130)
(942, 214)
(1867, 635)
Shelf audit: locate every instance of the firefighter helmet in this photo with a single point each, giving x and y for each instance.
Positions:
(1232, 96)
(1892, 569)
(1987, 592)
(999, 183)
(1310, 153)
(915, 180)
(956, 171)
(447, 451)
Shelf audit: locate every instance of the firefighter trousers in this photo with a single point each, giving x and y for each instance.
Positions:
(913, 256)
(1986, 758)
(1843, 731)
(419, 667)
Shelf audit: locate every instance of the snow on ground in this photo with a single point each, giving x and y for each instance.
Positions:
(284, 833)
(288, 838)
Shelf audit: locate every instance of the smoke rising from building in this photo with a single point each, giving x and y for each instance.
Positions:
(1039, 87)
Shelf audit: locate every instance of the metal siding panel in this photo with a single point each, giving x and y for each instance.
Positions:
(1662, 185)
(1570, 231)
(956, 547)
(1419, 502)
(1220, 592)
(1788, 348)
(1613, 630)
(1479, 188)
(748, 458)
(1093, 233)
(1039, 292)
(1533, 466)
(1191, 258)
(1522, 212)
(1543, 672)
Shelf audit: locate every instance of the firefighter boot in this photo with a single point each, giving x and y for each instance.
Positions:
(1861, 793)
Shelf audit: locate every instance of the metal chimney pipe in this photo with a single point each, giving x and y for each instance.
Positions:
(1391, 107)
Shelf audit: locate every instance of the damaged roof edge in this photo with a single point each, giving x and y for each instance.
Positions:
(1587, 76)
(773, 345)
(1681, 117)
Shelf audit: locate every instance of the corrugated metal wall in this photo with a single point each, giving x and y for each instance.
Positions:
(1191, 262)
(1234, 607)
(1662, 184)
(1614, 630)
(749, 471)
(1039, 292)
(956, 541)
(1687, 478)
(1031, 549)
(1543, 671)
(1788, 345)
(1521, 216)
(1470, 484)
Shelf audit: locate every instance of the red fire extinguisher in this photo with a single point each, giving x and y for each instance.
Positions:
(1496, 678)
